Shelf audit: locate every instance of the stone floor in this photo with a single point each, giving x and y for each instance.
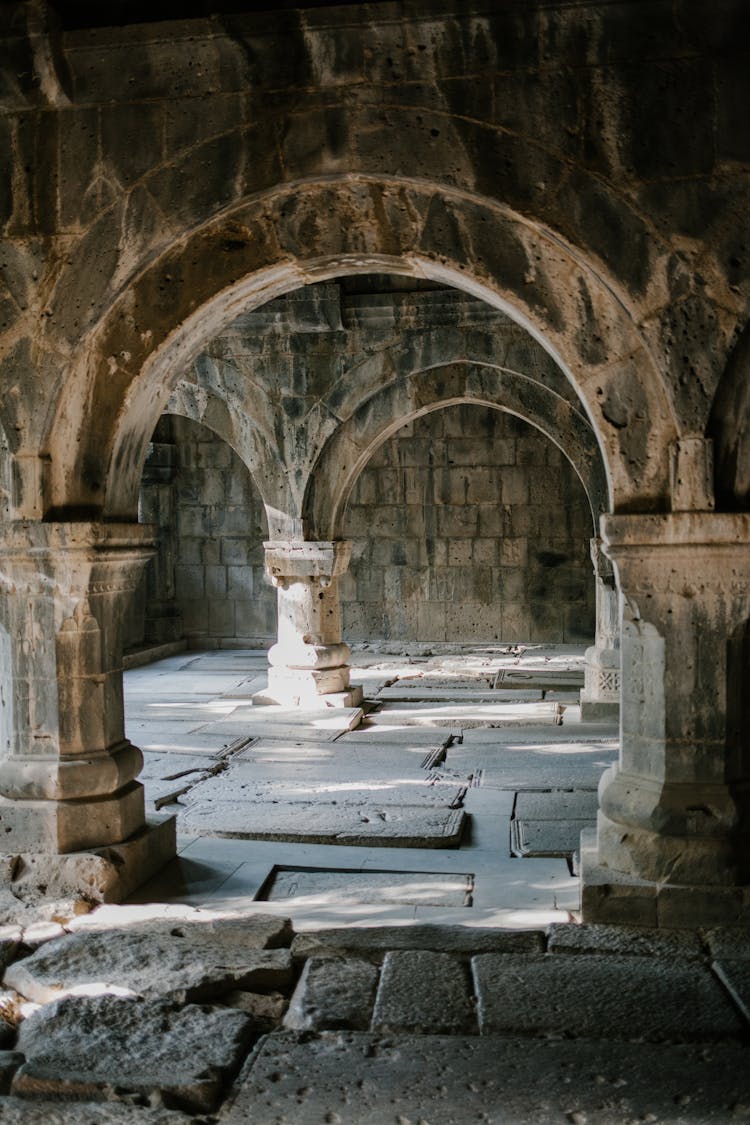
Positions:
(372, 919)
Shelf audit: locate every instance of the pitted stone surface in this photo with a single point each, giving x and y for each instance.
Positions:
(374, 941)
(610, 997)
(449, 1080)
(391, 826)
(333, 992)
(736, 977)
(732, 942)
(22, 1111)
(110, 1047)
(266, 1010)
(238, 784)
(184, 960)
(423, 993)
(627, 940)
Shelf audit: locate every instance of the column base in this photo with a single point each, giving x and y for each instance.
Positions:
(98, 875)
(309, 689)
(60, 827)
(614, 898)
(290, 697)
(599, 710)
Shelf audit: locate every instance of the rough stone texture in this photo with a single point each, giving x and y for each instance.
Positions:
(20, 1111)
(417, 888)
(391, 826)
(601, 997)
(423, 993)
(732, 942)
(736, 976)
(375, 941)
(628, 940)
(444, 1080)
(183, 960)
(110, 1047)
(333, 992)
(265, 1011)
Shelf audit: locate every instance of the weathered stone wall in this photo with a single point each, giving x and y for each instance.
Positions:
(468, 525)
(219, 531)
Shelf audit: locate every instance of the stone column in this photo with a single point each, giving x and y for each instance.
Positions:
(308, 663)
(67, 772)
(672, 846)
(600, 698)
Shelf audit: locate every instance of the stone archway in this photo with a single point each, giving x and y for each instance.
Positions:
(123, 374)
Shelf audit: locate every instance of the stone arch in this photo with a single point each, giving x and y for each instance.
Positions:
(121, 377)
(421, 392)
(729, 427)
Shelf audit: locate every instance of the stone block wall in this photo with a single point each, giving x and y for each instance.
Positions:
(469, 524)
(219, 529)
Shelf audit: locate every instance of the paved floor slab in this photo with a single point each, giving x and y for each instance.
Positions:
(612, 997)
(729, 941)
(406, 826)
(180, 959)
(183, 1055)
(627, 940)
(333, 992)
(374, 941)
(423, 993)
(359, 1079)
(418, 888)
(735, 975)
(20, 1111)
(547, 837)
(349, 791)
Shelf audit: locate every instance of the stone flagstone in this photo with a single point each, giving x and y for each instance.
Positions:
(182, 960)
(374, 941)
(612, 997)
(110, 1047)
(333, 992)
(20, 1111)
(423, 993)
(628, 940)
(352, 1077)
(735, 975)
(391, 826)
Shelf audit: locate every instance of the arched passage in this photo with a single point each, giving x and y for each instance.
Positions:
(120, 380)
(420, 392)
(468, 525)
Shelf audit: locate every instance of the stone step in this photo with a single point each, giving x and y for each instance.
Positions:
(370, 1079)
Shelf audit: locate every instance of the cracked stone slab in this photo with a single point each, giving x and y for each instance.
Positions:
(180, 959)
(20, 1111)
(333, 992)
(235, 784)
(109, 1047)
(353, 1076)
(374, 941)
(416, 888)
(390, 826)
(735, 976)
(608, 997)
(423, 993)
(591, 937)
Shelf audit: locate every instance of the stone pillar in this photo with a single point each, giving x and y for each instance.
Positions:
(163, 619)
(600, 698)
(308, 663)
(672, 845)
(67, 772)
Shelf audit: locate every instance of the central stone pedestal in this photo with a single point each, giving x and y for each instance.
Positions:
(309, 663)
